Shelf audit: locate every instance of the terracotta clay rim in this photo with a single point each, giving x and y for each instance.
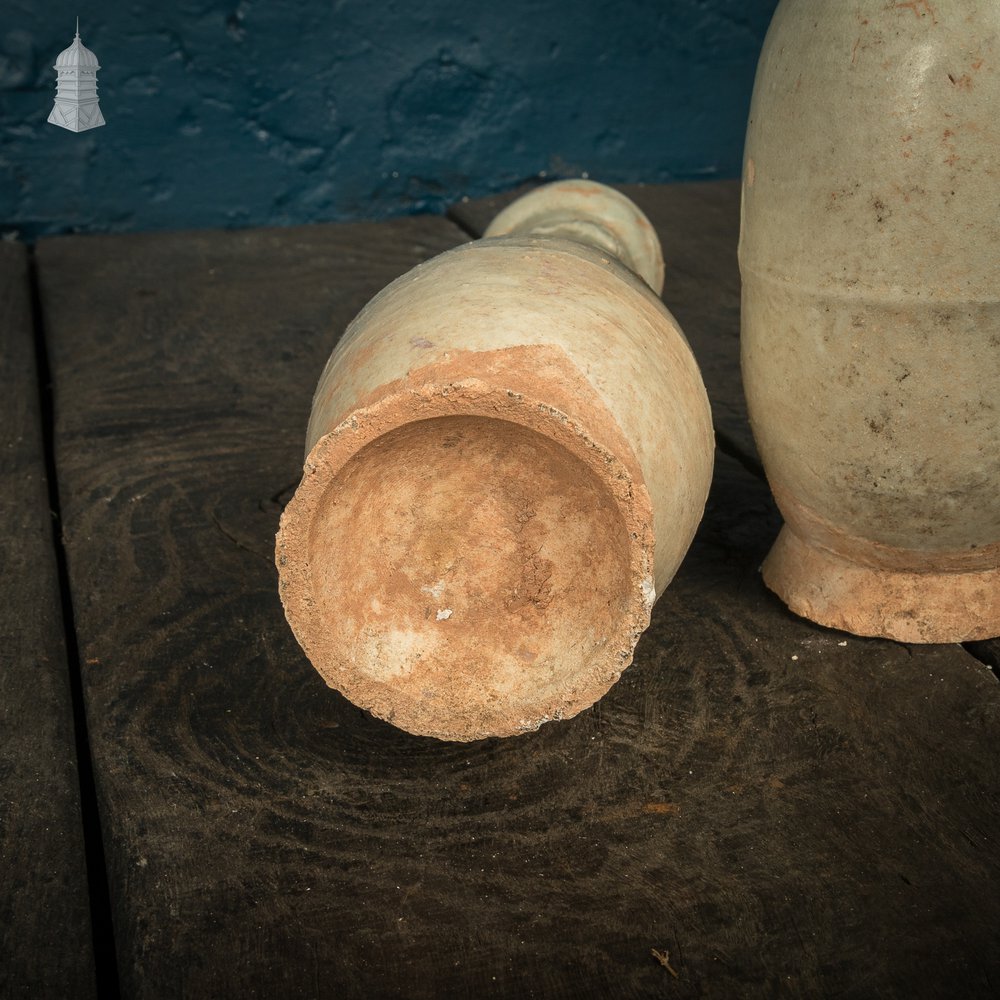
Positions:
(905, 605)
(465, 397)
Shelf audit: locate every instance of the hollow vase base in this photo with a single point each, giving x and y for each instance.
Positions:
(906, 605)
(465, 560)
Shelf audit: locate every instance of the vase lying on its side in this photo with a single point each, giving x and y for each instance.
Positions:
(508, 454)
(870, 253)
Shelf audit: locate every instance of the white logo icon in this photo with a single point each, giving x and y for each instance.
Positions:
(76, 106)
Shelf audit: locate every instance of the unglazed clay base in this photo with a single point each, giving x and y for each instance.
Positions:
(465, 561)
(933, 606)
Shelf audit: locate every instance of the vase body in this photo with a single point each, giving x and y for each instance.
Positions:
(507, 457)
(870, 256)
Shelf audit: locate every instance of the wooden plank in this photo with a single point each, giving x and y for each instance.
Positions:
(987, 651)
(784, 809)
(852, 800)
(45, 939)
(185, 367)
(698, 224)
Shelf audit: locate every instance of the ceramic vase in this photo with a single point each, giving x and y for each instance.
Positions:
(508, 454)
(870, 255)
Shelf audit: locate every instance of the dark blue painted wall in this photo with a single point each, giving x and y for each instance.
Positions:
(239, 113)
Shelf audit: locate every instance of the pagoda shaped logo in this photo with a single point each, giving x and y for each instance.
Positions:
(76, 106)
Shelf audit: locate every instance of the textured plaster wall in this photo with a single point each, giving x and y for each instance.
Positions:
(240, 113)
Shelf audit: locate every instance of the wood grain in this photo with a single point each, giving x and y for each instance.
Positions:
(45, 939)
(786, 810)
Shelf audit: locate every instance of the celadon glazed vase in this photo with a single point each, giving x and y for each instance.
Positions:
(508, 454)
(870, 255)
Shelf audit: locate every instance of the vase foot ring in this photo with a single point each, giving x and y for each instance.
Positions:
(906, 605)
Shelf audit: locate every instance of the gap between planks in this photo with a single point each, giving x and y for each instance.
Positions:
(105, 958)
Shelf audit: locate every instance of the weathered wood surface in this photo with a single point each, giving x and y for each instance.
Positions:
(988, 650)
(45, 940)
(699, 225)
(785, 809)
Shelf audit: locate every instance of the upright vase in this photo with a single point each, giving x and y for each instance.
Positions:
(870, 255)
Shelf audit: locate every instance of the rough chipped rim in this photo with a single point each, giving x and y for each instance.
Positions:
(464, 397)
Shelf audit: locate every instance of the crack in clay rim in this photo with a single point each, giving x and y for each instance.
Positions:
(476, 398)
